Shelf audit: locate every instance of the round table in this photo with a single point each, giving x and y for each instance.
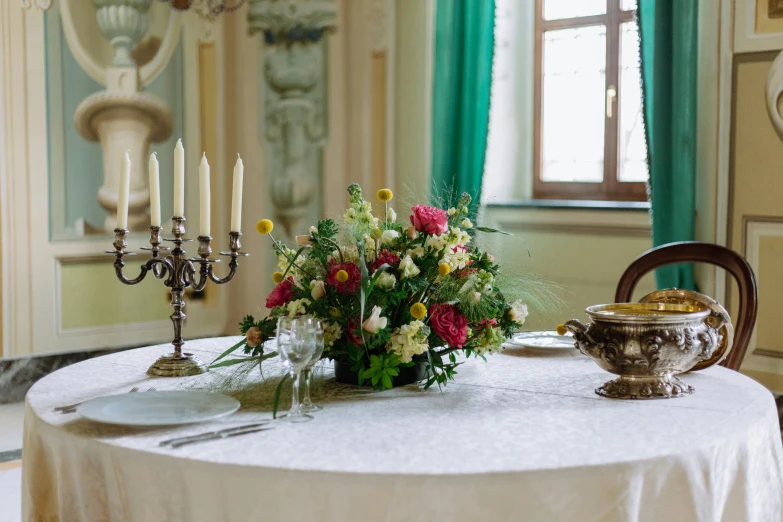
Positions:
(521, 437)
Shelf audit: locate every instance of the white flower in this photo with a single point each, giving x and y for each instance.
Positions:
(458, 237)
(317, 289)
(375, 322)
(517, 311)
(391, 215)
(466, 223)
(302, 240)
(332, 332)
(408, 268)
(386, 281)
(436, 243)
(417, 252)
(409, 340)
(452, 211)
(457, 258)
(389, 236)
(298, 307)
(476, 297)
(491, 259)
(313, 230)
(350, 216)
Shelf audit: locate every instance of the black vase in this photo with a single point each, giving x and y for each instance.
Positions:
(407, 375)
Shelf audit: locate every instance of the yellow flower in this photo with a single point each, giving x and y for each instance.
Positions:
(385, 195)
(277, 277)
(418, 310)
(334, 312)
(342, 276)
(265, 226)
(444, 269)
(561, 329)
(376, 233)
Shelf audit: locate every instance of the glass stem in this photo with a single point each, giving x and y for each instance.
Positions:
(307, 402)
(295, 407)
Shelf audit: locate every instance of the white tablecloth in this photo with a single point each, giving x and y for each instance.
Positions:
(520, 438)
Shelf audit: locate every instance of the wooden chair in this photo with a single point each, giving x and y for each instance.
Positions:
(696, 252)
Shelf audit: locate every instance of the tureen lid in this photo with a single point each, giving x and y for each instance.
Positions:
(660, 313)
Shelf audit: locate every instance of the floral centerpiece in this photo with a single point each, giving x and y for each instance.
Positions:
(397, 299)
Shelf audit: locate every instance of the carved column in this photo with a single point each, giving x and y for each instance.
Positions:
(294, 75)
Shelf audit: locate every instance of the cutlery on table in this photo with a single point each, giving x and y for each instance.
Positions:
(71, 408)
(200, 436)
(217, 435)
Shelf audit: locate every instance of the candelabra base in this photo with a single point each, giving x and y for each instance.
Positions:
(173, 366)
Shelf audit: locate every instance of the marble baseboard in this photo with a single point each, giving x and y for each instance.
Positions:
(18, 375)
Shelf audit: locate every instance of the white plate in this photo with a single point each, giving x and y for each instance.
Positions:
(159, 408)
(543, 339)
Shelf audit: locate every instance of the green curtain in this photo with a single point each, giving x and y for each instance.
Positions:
(669, 56)
(462, 76)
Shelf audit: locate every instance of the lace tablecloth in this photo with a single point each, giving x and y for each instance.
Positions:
(522, 437)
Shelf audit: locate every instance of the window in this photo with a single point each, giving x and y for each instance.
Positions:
(588, 131)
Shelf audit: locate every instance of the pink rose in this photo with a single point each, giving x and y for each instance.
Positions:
(282, 294)
(430, 220)
(254, 337)
(449, 324)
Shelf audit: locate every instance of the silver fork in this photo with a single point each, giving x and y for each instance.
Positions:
(71, 408)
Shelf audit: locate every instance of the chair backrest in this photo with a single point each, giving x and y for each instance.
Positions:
(696, 252)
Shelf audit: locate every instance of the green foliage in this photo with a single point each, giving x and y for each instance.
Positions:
(383, 367)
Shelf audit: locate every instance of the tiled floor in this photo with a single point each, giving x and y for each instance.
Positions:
(11, 421)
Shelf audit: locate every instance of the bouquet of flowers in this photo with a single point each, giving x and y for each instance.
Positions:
(391, 295)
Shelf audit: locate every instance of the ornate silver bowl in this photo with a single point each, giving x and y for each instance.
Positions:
(647, 344)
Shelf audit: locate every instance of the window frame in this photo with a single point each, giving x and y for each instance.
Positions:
(610, 189)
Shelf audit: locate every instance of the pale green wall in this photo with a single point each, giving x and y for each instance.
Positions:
(92, 296)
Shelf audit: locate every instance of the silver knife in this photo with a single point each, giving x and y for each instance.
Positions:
(216, 436)
(209, 433)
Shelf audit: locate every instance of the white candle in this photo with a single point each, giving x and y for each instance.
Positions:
(122, 201)
(154, 190)
(236, 201)
(203, 176)
(179, 180)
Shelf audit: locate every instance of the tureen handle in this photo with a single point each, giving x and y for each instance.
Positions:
(580, 334)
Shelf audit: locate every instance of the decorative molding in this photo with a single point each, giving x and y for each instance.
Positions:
(147, 73)
(775, 9)
(773, 91)
(294, 74)
(43, 5)
(753, 229)
(746, 39)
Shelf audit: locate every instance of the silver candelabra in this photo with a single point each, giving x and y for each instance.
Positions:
(178, 272)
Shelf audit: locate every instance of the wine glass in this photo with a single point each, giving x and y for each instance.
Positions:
(296, 345)
(307, 403)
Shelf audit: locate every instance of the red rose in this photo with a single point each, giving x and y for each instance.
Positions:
(430, 220)
(351, 284)
(282, 294)
(352, 333)
(385, 258)
(449, 324)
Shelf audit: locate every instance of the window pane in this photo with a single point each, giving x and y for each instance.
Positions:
(628, 5)
(632, 156)
(555, 9)
(572, 112)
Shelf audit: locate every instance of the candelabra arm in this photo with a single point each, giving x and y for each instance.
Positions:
(234, 245)
(164, 266)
